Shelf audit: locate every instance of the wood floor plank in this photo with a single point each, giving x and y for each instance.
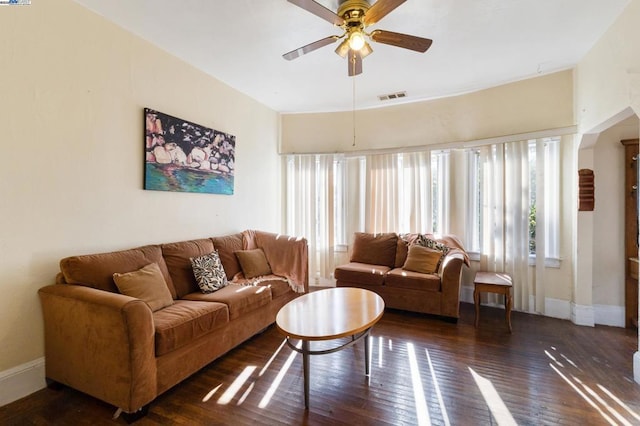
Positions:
(547, 371)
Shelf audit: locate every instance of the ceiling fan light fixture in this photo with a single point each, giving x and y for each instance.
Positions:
(343, 48)
(356, 40)
(354, 17)
(366, 50)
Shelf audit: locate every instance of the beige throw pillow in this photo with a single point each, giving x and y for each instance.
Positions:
(146, 284)
(422, 259)
(253, 263)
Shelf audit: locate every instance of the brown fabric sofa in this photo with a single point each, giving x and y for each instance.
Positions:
(115, 348)
(377, 262)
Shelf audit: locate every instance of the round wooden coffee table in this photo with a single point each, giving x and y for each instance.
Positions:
(329, 314)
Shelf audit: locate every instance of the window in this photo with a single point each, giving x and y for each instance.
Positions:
(542, 192)
(473, 234)
(543, 170)
(440, 191)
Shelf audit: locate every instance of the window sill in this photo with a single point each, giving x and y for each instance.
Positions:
(549, 262)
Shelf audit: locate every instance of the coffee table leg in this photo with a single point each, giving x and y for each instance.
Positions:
(305, 368)
(366, 354)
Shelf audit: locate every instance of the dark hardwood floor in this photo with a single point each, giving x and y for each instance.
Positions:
(424, 371)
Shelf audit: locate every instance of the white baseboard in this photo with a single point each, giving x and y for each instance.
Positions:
(557, 308)
(21, 381)
(636, 367)
(582, 315)
(554, 308)
(609, 315)
(466, 293)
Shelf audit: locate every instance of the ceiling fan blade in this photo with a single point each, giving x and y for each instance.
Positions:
(379, 10)
(309, 47)
(406, 41)
(354, 62)
(319, 10)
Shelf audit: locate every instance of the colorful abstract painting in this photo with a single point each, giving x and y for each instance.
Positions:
(186, 157)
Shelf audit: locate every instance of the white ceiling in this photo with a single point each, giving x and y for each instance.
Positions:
(476, 44)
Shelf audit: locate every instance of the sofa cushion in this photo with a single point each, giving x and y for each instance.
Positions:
(278, 285)
(422, 259)
(253, 263)
(186, 320)
(361, 273)
(208, 272)
(96, 270)
(375, 249)
(177, 257)
(226, 247)
(402, 249)
(400, 278)
(240, 299)
(146, 284)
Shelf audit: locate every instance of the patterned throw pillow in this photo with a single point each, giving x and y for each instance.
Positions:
(209, 272)
(424, 241)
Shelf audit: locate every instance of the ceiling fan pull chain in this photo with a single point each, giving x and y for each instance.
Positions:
(354, 109)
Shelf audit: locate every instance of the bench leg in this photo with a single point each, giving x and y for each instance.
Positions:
(508, 301)
(476, 302)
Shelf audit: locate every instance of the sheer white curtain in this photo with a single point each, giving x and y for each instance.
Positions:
(505, 216)
(382, 189)
(329, 197)
(417, 193)
(312, 210)
(398, 192)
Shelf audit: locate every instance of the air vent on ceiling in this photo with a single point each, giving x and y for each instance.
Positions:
(391, 96)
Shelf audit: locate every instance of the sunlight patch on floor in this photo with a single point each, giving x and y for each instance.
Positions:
(212, 392)
(237, 384)
(443, 409)
(275, 354)
(246, 393)
(276, 382)
(602, 402)
(620, 403)
(422, 411)
(610, 407)
(496, 405)
(582, 394)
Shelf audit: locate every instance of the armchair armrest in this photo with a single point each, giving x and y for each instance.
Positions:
(451, 276)
(100, 343)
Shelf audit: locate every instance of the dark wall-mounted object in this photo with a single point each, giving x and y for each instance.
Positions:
(586, 197)
(631, 149)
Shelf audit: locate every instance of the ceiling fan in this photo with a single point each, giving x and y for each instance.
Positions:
(354, 16)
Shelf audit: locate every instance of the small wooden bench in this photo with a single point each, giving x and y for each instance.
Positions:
(493, 282)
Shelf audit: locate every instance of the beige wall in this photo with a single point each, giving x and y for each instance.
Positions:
(607, 90)
(610, 193)
(608, 77)
(72, 89)
(526, 106)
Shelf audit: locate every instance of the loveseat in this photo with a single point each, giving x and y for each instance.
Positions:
(412, 272)
(127, 350)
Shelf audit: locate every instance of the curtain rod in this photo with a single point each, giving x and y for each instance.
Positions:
(560, 131)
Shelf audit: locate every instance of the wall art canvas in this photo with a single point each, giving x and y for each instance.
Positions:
(186, 157)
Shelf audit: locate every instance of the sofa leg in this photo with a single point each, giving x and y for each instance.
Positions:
(132, 417)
